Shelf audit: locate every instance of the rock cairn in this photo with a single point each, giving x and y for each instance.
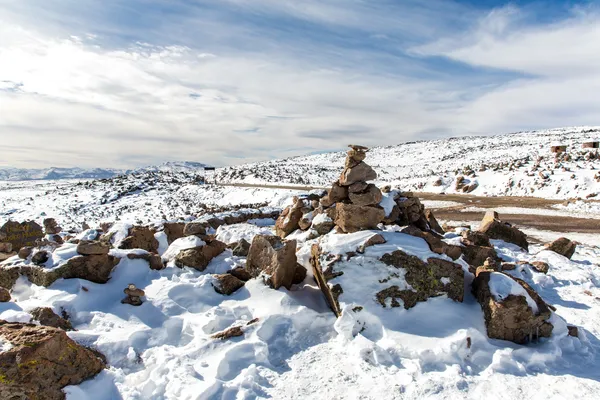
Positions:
(134, 295)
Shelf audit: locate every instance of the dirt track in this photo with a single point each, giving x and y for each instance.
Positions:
(454, 213)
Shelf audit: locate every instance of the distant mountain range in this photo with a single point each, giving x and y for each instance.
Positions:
(54, 173)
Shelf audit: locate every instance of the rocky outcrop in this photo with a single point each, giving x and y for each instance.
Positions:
(512, 309)
(45, 316)
(42, 361)
(96, 268)
(562, 246)
(494, 228)
(199, 257)
(227, 284)
(140, 237)
(274, 258)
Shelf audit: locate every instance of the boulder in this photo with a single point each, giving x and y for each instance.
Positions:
(4, 295)
(562, 246)
(351, 218)
(25, 252)
(540, 266)
(154, 260)
(241, 273)
(227, 284)
(299, 275)
(194, 228)
(51, 226)
(140, 237)
(362, 172)
(45, 316)
(173, 230)
(475, 238)
(433, 223)
(436, 244)
(92, 247)
(289, 219)
(6, 247)
(199, 257)
(42, 361)
(242, 248)
(40, 257)
(20, 234)
(274, 258)
(430, 279)
(306, 221)
(512, 309)
(370, 196)
(322, 223)
(477, 255)
(336, 194)
(494, 228)
(358, 187)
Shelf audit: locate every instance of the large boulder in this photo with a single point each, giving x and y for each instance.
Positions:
(275, 258)
(96, 268)
(20, 234)
(512, 309)
(562, 246)
(199, 257)
(351, 218)
(361, 172)
(42, 361)
(370, 196)
(494, 228)
(140, 237)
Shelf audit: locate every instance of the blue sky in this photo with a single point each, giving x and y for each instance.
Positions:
(125, 83)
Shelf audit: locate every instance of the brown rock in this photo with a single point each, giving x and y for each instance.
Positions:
(371, 196)
(6, 256)
(573, 330)
(25, 252)
(359, 173)
(436, 244)
(229, 333)
(433, 223)
(4, 295)
(496, 229)
(174, 231)
(358, 187)
(6, 247)
(51, 226)
(40, 257)
(154, 260)
(540, 266)
(47, 317)
(508, 266)
(331, 293)
(351, 218)
(194, 228)
(476, 255)
(43, 360)
(92, 247)
(336, 194)
(21, 234)
(299, 275)
(511, 318)
(242, 248)
(199, 257)
(241, 273)
(227, 284)
(562, 246)
(140, 237)
(289, 219)
(275, 258)
(475, 238)
(306, 221)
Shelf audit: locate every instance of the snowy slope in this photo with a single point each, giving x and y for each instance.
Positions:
(509, 162)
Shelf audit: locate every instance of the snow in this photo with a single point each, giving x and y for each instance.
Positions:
(188, 242)
(236, 232)
(501, 286)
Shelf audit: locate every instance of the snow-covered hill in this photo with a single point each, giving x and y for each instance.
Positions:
(53, 173)
(518, 164)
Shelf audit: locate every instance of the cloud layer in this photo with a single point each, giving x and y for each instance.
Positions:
(130, 83)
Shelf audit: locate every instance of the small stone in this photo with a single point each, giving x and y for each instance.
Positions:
(40, 257)
(573, 330)
(227, 284)
(540, 266)
(92, 247)
(229, 333)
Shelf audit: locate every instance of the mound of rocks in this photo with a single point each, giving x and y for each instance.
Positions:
(42, 361)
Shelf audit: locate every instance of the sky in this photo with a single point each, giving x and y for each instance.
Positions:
(129, 83)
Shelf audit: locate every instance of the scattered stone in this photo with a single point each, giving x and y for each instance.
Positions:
(6, 256)
(199, 257)
(241, 273)
(40, 257)
(85, 226)
(322, 224)
(276, 259)
(494, 228)
(4, 295)
(508, 266)
(43, 360)
(372, 241)
(229, 333)
(540, 266)
(105, 226)
(436, 244)
(134, 295)
(512, 318)
(227, 284)
(562, 246)
(51, 226)
(351, 218)
(573, 330)
(174, 231)
(92, 247)
(154, 260)
(47, 317)
(477, 255)
(242, 248)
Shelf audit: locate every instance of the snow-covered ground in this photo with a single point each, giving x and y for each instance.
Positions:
(518, 164)
(297, 349)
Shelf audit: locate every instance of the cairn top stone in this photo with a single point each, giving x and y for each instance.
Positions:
(357, 147)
